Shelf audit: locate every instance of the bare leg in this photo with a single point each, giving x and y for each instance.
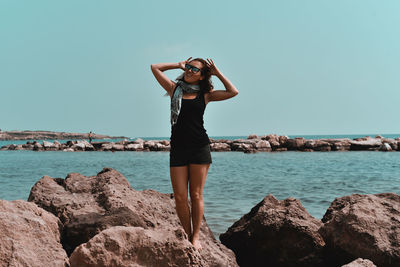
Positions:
(198, 175)
(179, 180)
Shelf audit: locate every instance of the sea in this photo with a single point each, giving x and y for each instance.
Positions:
(236, 181)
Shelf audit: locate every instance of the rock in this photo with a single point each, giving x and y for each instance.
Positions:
(164, 142)
(250, 150)
(252, 136)
(366, 226)
(385, 147)
(11, 147)
(220, 147)
(393, 143)
(135, 246)
(317, 145)
(366, 144)
(68, 150)
(37, 146)
(295, 144)
(19, 147)
(139, 141)
(134, 147)
(82, 145)
(272, 137)
(88, 205)
(49, 146)
(263, 145)
(276, 233)
(283, 139)
(30, 236)
(107, 146)
(243, 144)
(360, 263)
(117, 147)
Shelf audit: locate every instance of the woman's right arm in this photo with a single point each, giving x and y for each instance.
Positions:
(162, 79)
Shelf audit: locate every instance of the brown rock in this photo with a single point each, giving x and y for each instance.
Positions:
(263, 145)
(283, 139)
(89, 205)
(134, 147)
(340, 144)
(366, 144)
(135, 246)
(360, 263)
(366, 226)
(29, 236)
(393, 143)
(295, 144)
(220, 147)
(276, 233)
(252, 136)
(317, 145)
(385, 147)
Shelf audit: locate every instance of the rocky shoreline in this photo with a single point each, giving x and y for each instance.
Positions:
(48, 135)
(253, 144)
(102, 221)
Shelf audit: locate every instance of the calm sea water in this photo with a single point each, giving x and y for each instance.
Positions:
(235, 183)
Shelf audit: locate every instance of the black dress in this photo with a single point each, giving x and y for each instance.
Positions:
(189, 140)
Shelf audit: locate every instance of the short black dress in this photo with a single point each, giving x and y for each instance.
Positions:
(189, 140)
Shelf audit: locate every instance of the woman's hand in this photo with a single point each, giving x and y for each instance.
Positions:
(213, 69)
(182, 63)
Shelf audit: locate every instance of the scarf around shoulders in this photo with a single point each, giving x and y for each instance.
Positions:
(176, 100)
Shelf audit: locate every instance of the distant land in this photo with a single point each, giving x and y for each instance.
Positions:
(48, 135)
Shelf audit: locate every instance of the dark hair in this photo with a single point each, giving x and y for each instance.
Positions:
(205, 84)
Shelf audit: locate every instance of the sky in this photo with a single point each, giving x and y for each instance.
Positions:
(301, 67)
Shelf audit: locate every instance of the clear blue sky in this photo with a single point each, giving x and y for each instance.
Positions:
(301, 67)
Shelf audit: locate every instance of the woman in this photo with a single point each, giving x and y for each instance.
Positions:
(190, 156)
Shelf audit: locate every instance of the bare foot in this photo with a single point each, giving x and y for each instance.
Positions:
(196, 244)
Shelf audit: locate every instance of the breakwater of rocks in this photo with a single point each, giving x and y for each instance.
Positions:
(253, 144)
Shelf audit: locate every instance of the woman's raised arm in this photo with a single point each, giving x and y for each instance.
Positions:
(162, 79)
(218, 95)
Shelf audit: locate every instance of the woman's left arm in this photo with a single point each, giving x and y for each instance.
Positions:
(218, 95)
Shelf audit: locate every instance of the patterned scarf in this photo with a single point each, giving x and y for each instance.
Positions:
(176, 101)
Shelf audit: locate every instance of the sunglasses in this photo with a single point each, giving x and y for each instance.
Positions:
(190, 67)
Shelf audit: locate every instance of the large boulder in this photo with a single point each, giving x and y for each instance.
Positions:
(136, 246)
(366, 226)
(366, 143)
(276, 233)
(88, 205)
(295, 144)
(30, 236)
(317, 145)
(263, 145)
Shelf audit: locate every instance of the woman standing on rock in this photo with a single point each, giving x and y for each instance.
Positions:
(190, 156)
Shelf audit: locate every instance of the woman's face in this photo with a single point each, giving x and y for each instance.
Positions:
(190, 75)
